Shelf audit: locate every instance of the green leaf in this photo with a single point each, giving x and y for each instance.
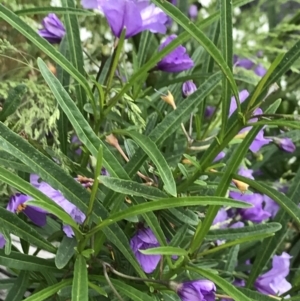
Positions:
(25, 262)
(131, 188)
(54, 9)
(43, 45)
(50, 172)
(7, 160)
(150, 148)
(98, 289)
(49, 291)
(80, 290)
(64, 78)
(13, 101)
(257, 296)
(232, 259)
(227, 52)
(194, 31)
(129, 291)
(13, 224)
(237, 233)
(75, 50)
(165, 251)
(169, 203)
(283, 201)
(81, 126)
(19, 288)
(65, 252)
(235, 242)
(227, 287)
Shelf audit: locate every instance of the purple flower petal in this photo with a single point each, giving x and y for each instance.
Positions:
(193, 11)
(285, 144)
(198, 290)
(53, 29)
(177, 60)
(145, 239)
(273, 282)
(154, 19)
(242, 95)
(2, 241)
(122, 14)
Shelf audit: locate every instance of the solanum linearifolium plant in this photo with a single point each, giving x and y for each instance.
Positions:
(172, 169)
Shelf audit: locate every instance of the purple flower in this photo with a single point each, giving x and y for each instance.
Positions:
(260, 70)
(220, 156)
(249, 65)
(209, 110)
(257, 213)
(197, 290)
(285, 144)
(193, 12)
(16, 205)
(188, 88)
(273, 282)
(221, 219)
(134, 15)
(53, 30)
(177, 60)
(77, 215)
(242, 95)
(145, 239)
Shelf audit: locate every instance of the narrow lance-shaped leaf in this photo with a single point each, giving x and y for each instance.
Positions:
(80, 280)
(19, 288)
(73, 37)
(227, 52)
(49, 291)
(132, 188)
(150, 148)
(19, 261)
(83, 130)
(169, 203)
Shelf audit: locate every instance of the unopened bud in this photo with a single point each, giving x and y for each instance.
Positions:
(241, 135)
(285, 144)
(52, 68)
(243, 187)
(188, 88)
(169, 99)
(186, 161)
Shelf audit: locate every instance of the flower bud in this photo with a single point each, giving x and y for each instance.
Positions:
(169, 99)
(188, 88)
(243, 187)
(196, 290)
(285, 144)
